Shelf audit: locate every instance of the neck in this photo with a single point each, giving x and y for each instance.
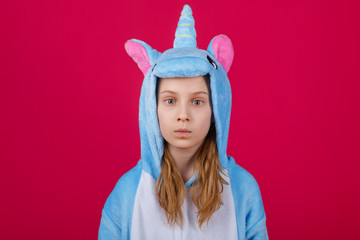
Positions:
(184, 160)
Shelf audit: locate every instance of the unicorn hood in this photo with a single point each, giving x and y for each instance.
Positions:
(183, 60)
(132, 211)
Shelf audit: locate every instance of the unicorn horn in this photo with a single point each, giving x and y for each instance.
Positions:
(185, 35)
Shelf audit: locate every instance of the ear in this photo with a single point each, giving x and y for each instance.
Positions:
(222, 49)
(142, 54)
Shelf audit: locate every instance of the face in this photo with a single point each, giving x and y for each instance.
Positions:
(184, 111)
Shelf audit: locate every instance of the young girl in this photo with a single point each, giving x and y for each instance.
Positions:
(184, 186)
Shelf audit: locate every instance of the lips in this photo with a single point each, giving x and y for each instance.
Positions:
(182, 133)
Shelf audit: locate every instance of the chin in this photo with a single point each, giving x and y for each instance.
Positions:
(183, 144)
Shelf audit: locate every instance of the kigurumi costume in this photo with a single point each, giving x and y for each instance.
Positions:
(132, 210)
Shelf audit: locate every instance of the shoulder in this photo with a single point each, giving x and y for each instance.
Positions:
(123, 195)
(240, 178)
(129, 179)
(117, 213)
(249, 208)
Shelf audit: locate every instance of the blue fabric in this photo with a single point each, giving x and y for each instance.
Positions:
(249, 209)
(185, 35)
(117, 212)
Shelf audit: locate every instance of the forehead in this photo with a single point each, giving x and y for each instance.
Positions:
(184, 84)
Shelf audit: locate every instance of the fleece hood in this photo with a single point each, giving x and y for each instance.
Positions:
(183, 60)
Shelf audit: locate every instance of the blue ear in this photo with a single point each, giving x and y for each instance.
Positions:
(142, 54)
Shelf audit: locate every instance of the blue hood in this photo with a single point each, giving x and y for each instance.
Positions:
(184, 60)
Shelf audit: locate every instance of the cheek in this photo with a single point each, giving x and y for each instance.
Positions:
(162, 120)
(160, 114)
(205, 122)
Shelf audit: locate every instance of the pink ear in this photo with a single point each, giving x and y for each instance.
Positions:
(223, 50)
(139, 54)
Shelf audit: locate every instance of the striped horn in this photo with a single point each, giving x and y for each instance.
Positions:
(185, 35)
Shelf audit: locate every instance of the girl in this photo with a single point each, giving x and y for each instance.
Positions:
(184, 186)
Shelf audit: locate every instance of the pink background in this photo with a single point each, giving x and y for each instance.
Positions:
(69, 108)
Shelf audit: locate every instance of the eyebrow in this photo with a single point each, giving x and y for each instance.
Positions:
(194, 93)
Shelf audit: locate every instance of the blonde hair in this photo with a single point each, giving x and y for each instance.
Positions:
(206, 189)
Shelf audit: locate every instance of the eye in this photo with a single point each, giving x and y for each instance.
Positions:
(153, 67)
(198, 102)
(212, 62)
(170, 101)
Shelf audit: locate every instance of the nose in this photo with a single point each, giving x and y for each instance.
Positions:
(183, 114)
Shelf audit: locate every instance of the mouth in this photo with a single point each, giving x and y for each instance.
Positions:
(182, 133)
